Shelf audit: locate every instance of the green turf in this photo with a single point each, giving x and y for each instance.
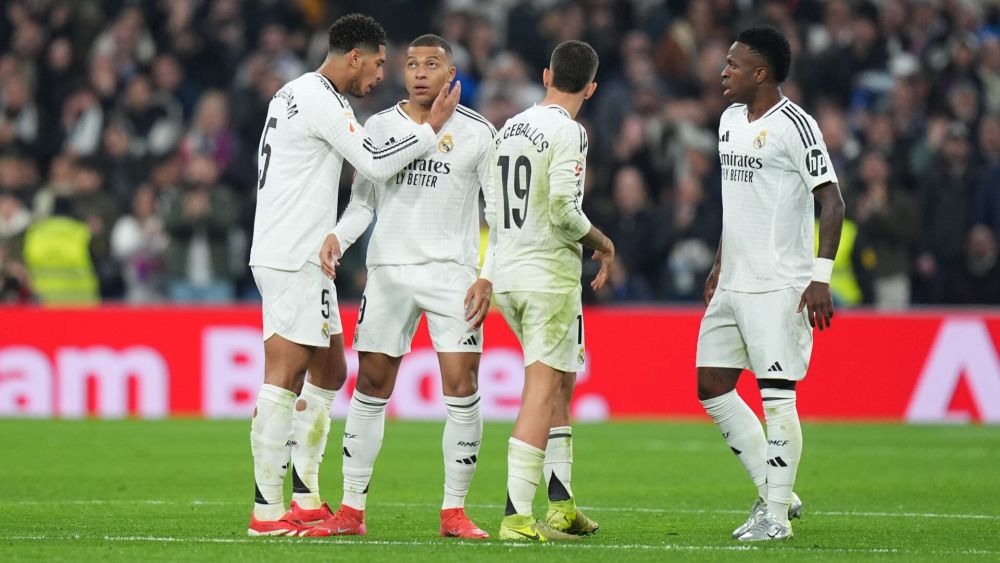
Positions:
(181, 490)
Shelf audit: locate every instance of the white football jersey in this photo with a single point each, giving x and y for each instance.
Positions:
(534, 201)
(310, 130)
(769, 169)
(429, 210)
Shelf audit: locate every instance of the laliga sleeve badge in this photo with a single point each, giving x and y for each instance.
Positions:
(447, 143)
(759, 140)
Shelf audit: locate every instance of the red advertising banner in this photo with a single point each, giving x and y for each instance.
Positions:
(158, 362)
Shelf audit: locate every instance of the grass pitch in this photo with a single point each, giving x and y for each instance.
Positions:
(182, 490)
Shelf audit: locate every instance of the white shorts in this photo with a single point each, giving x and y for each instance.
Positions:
(549, 326)
(396, 296)
(300, 305)
(761, 332)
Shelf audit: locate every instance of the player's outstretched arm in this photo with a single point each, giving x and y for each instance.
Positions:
(379, 163)
(816, 299)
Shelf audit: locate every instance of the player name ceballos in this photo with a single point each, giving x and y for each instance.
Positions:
(525, 130)
(741, 160)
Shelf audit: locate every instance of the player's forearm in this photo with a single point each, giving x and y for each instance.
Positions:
(382, 163)
(831, 220)
(596, 240)
(352, 224)
(565, 213)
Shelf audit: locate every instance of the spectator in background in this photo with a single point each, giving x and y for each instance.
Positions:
(138, 242)
(886, 222)
(988, 191)
(93, 204)
(209, 134)
(199, 223)
(155, 123)
(14, 221)
(122, 168)
(976, 279)
(19, 117)
(946, 212)
(57, 255)
(641, 234)
(82, 120)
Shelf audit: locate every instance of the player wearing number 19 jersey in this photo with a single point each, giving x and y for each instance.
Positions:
(309, 131)
(766, 287)
(537, 226)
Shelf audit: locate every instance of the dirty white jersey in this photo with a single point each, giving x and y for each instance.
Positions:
(429, 210)
(769, 170)
(309, 131)
(534, 201)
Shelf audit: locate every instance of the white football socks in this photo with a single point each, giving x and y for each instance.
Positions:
(524, 470)
(743, 433)
(270, 442)
(463, 432)
(784, 449)
(559, 463)
(363, 432)
(310, 428)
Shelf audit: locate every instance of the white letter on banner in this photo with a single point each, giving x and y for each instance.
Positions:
(233, 370)
(961, 347)
(25, 382)
(112, 371)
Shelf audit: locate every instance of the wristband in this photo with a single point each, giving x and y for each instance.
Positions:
(822, 270)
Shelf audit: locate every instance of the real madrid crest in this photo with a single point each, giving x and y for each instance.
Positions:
(326, 330)
(759, 140)
(446, 144)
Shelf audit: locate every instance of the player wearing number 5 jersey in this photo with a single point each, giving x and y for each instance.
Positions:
(537, 230)
(309, 131)
(766, 287)
(422, 258)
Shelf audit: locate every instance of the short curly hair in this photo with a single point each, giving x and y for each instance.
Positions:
(770, 44)
(356, 31)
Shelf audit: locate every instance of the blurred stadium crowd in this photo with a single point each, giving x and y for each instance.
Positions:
(129, 132)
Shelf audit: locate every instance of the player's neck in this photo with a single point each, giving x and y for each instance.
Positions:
(335, 72)
(417, 112)
(765, 99)
(569, 102)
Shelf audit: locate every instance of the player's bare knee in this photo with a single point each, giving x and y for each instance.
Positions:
(460, 387)
(713, 382)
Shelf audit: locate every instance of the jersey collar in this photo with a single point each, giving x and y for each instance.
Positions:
(556, 107)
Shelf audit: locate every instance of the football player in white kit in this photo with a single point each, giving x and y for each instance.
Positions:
(537, 232)
(422, 259)
(766, 289)
(309, 131)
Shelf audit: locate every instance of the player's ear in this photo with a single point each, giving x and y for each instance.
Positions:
(354, 57)
(590, 91)
(761, 75)
(546, 77)
(451, 74)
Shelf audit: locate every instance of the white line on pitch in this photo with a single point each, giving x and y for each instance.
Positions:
(481, 505)
(488, 544)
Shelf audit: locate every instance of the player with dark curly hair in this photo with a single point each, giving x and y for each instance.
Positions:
(767, 288)
(309, 132)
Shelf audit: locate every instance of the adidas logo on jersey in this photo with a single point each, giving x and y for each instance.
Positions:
(724, 138)
(470, 341)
